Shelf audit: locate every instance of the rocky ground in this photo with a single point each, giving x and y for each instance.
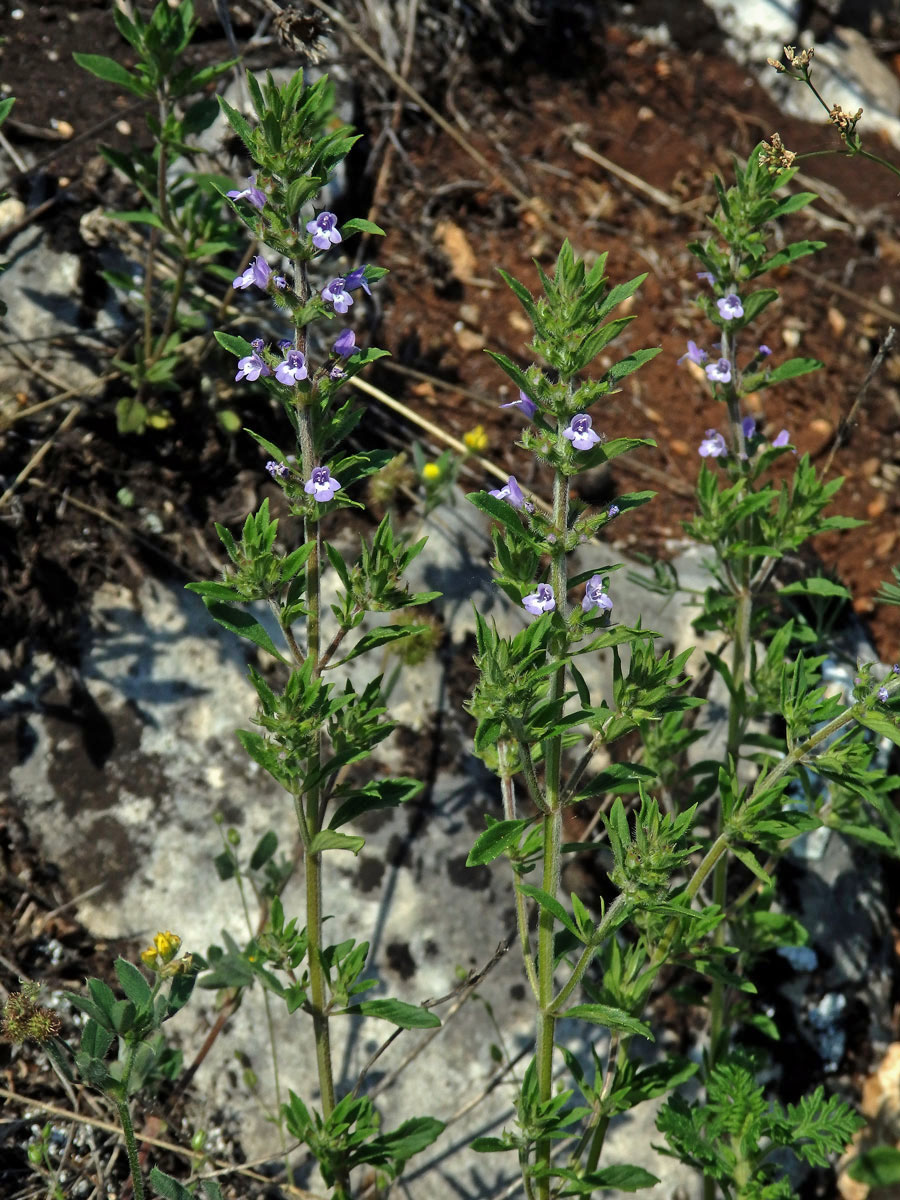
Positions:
(613, 135)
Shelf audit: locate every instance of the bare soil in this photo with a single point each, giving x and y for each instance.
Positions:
(667, 118)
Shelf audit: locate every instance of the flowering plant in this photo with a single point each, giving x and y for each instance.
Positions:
(670, 824)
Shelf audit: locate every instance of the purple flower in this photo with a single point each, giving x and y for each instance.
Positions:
(713, 445)
(579, 432)
(512, 494)
(293, 369)
(335, 293)
(357, 279)
(285, 344)
(257, 273)
(276, 469)
(719, 372)
(251, 367)
(782, 439)
(321, 484)
(764, 350)
(895, 669)
(345, 344)
(708, 276)
(612, 511)
(730, 307)
(524, 404)
(594, 595)
(337, 372)
(882, 694)
(694, 353)
(255, 195)
(540, 601)
(324, 233)
(258, 345)
(748, 425)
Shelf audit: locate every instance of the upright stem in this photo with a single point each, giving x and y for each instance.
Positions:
(546, 1029)
(134, 1164)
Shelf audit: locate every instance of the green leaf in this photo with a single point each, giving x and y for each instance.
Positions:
(792, 369)
(265, 848)
(552, 905)
(490, 1145)
(412, 1137)
(234, 345)
(361, 225)
(881, 724)
(379, 637)
(112, 72)
(495, 840)
(167, 1187)
(878, 1167)
(134, 985)
(622, 1176)
(612, 1018)
(406, 1016)
(377, 793)
(817, 585)
(749, 860)
(142, 216)
(328, 839)
(235, 620)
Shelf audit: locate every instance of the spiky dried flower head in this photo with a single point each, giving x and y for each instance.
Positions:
(845, 122)
(775, 156)
(24, 1020)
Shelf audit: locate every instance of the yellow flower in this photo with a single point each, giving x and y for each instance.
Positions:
(431, 472)
(149, 957)
(476, 439)
(167, 945)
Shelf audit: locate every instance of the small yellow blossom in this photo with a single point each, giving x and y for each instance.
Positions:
(431, 472)
(476, 439)
(149, 957)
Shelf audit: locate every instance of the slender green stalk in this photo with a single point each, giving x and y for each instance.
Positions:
(134, 1164)
(552, 840)
(601, 933)
(507, 788)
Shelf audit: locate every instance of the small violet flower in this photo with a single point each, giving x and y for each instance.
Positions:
(882, 694)
(257, 273)
(719, 372)
(594, 595)
(276, 469)
(748, 425)
(579, 432)
(321, 484)
(781, 439)
(764, 350)
(730, 307)
(324, 231)
(540, 601)
(251, 192)
(694, 353)
(259, 345)
(251, 368)
(713, 445)
(345, 344)
(524, 404)
(337, 372)
(293, 369)
(512, 494)
(357, 279)
(612, 511)
(336, 293)
(708, 276)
